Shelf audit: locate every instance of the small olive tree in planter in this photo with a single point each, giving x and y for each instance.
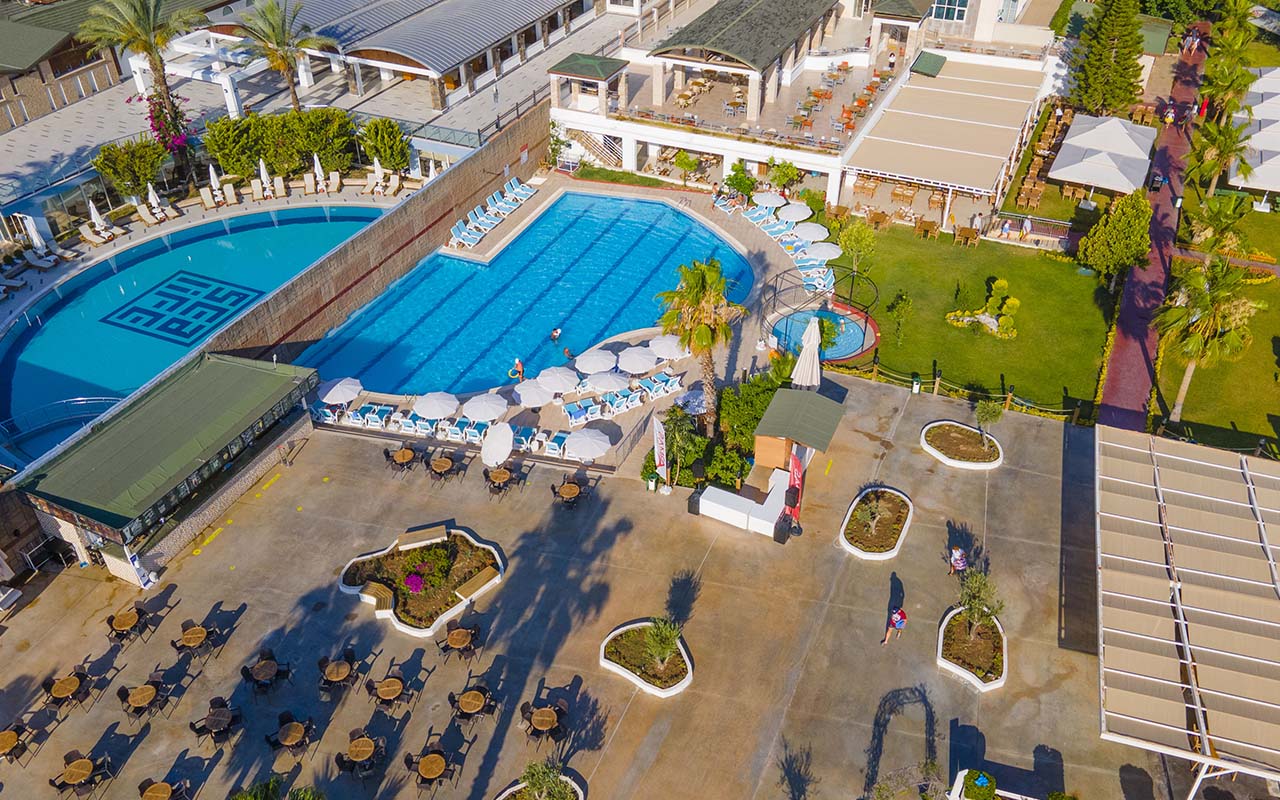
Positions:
(876, 523)
(971, 643)
(988, 413)
(543, 780)
(651, 654)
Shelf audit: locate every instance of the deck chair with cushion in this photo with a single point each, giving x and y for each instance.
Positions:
(229, 192)
(37, 262)
(335, 182)
(147, 217)
(206, 198)
(282, 191)
(308, 183)
(255, 186)
(369, 184)
(89, 236)
(393, 185)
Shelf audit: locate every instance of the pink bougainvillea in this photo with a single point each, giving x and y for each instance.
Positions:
(168, 131)
(413, 582)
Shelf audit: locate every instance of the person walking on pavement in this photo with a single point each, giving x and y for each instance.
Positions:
(897, 621)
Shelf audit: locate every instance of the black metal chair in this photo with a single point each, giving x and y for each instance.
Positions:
(122, 694)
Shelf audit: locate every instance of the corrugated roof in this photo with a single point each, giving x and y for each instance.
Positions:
(23, 46)
(584, 65)
(801, 416)
(139, 454)
(755, 32)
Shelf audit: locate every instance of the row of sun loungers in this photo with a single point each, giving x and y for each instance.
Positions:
(611, 404)
(480, 221)
(815, 273)
(154, 216)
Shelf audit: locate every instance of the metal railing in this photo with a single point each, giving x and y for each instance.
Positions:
(522, 107)
(53, 415)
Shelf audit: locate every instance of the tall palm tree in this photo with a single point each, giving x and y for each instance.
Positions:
(1215, 224)
(699, 312)
(275, 34)
(1231, 45)
(1205, 319)
(142, 26)
(1215, 148)
(1225, 86)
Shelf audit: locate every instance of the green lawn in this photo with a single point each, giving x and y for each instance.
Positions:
(1061, 328)
(1052, 204)
(1261, 231)
(1264, 51)
(593, 173)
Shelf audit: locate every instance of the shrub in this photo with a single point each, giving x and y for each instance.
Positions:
(686, 163)
(235, 144)
(742, 408)
(1060, 796)
(327, 132)
(130, 166)
(815, 200)
(542, 781)
(727, 467)
(432, 564)
(739, 181)
(661, 638)
(280, 145)
(979, 785)
(382, 139)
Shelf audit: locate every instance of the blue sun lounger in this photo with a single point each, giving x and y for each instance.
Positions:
(777, 229)
(502, 206)
(757, 214)
(514, 186)
(555, 445)
(477, 221)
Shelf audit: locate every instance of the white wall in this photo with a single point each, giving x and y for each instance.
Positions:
(1030, 35)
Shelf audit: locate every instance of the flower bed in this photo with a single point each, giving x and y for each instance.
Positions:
(982, 660)
(623, 653)
(962, 446)
(891, 529)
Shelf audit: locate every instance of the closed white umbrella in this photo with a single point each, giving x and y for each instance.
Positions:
(213, 177)
(339, 391)
(795, 212)
(608, 381)
(595, 361)
(263, 175)
(637, 360)
(435, 405)
(377, 170)
(498, 442)
(769, 199)
(431, 169)
(96, 217)
(823, 250)
(558, 379)
(532, 394)
(587, 444)
(810, 232)
(315, 164)
(807, 373)
(153, 199)
(485, 407)
(33, 233)
(668, 347)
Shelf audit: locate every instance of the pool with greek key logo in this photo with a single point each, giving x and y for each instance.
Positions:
(184, 309)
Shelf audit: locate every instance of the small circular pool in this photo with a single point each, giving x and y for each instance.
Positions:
(855, 333)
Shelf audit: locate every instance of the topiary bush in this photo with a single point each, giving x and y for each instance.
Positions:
(978, 785)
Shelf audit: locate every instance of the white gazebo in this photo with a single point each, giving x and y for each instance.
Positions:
(1104, 153)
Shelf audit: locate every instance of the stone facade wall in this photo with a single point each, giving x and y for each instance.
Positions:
(32, 91)
(323, 296)
(19, 528)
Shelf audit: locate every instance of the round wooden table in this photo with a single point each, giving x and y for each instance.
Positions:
(158, 791)
(361, 749)
(65, 687)
(291, 733)
(403, 456)
(218, 719)
(431, 766)
(459, 638)
(264, 670)
(544, 719)
(441, 466)
(8, 741)
(124, 621)
(141, 696)
(568, 491)
(390, 688)
(336, 671)
(194, 637)
(77, 772)
(471, 701)
(499, 476)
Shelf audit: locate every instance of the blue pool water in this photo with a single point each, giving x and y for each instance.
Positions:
(588, 265)
(114, 327)
(849, 341)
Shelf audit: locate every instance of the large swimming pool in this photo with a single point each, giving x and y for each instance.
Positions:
(589, 265)
(116, 326)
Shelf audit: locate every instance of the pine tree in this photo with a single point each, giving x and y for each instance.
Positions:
(1119, 240)
(1105, 66)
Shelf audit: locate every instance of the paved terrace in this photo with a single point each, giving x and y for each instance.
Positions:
(792, 694)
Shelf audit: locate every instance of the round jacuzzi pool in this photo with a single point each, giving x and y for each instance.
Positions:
(855, 333)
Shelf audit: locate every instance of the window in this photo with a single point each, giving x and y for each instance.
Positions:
(950, 9)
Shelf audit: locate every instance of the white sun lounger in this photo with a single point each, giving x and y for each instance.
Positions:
(206, 199)
(229, 193)
(282, 191)
(146, 216)
(92, 238)
(39, 263)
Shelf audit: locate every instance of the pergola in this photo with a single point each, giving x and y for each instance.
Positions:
(1189, 602)
(593, 73)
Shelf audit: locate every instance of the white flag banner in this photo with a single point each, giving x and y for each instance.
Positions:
(660, 448)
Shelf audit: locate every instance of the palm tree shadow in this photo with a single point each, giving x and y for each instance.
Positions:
(682, 595)
(796, 767)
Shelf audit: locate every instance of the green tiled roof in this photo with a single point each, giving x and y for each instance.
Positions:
(23, 46)
(582, 65)
(801, 416)
(755, 32)
(908, 9)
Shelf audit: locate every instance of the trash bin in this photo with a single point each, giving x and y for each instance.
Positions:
(915, 384)
(653, 482)
(695, 502)
(782, 529)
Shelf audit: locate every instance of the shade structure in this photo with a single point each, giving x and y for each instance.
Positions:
(435, 405)
(807, 373)
(339, 391)
(263, 175)
(485, 407)
(319, 170)
(587, 444)
(213, 177)
(1111, 135)
(608, 381)
(532, 394)
(810, 231)
(95, 216)
(1099, 169)
(595, 361)
(794, 212)
(498, 442)
(153, 199)
(668, 347)
(636, 360)
(558, 379)
(33, 233)
(769, 199)
(823, 250)
(1266, 171)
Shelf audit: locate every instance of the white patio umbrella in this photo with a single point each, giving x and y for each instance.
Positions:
(95, 217)
(637, 360)
(810, 231)
(794, 212)
(315, 164)
(587, 444)
(807, 373)
(532, 394)
(668, 347)
(377, 170)
(435, 405)
(339, 391)
(823, 250)
(608, 381)
(595, 361)
(558, 379)
(213, 177)
(498, 441)
(153, 199)
(485, 407)
(769, 199)
(263, 175)
(33, 233)
(431, 169)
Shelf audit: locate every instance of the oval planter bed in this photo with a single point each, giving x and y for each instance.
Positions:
(516, 792)
(957, 653)
(421, 585)
(886, 540)
(961, 446)
(623, 652)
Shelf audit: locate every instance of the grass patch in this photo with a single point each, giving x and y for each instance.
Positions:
(593, 173)
(1061, 18)
(460, 559)
(982, 654)
(888, 530)
(1061, 325)
(1261, 231)
(1052, 204)
(1264, 51)
(962, 444)
(627, 650)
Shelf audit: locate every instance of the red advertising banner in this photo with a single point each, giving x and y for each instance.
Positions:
(796, 482)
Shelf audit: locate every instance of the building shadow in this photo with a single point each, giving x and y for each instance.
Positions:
(968, 746)
(1077, 570)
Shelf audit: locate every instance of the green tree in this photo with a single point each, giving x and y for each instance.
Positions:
(829, 332)
(739, 180)
(1205, 320)
(279, 145)
(869, 513)
(1120, 240)
(1215, 148)
(987, 413)
(858, 241)
(783, 174)
(274, 33)
(1225, 85)
(900, 310)
(235, 143)
(1105, 60)
(684, 445)
(556, 143)
(742, 407)
(1215, 224)
(272, 789)
(699, 311)
(130, 166)
(686, 163)
(661, 638)
(541, 781)
(327, 132)
(143, 27)
(382, 139)
(980, 601)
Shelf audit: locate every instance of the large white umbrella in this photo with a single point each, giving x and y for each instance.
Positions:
(795, 212)
(694, 401)
(498, 441)
(558, 379)
(668, 347)
(315, 164)
(153, 199)
(435, 405)
(637, 360)
(532, 394)
(33, 233)
(608, 381)
(823, 250)
(339, 391)
(769, 199)
(95, 216)
(587, 444)
(485, 407)
(263, 175)
(595, 361)
(377, 170)
(213, 177)
(810, 232)
(807, 373)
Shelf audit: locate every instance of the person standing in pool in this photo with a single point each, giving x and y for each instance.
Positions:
(568, 354)
(517, 371)
(555, 335)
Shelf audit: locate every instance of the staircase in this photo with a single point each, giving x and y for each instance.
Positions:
(605, 151)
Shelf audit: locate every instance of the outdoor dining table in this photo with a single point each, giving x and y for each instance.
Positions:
(390, 689)
(141, 696)
(544, 719)
(158, 791)
(218, 719)
(361, 749)
(499, 476)
(431, 766)
(65, 687)
(78, 771)
(471, 701)
(736, 104)
(403, 456)
(441, 466)
(8, 741)
(194, 636)
(124, 621)
(337, 671)
(459, 638)
(291, 733)
(569, 491)
(798, 121)
(265, 670)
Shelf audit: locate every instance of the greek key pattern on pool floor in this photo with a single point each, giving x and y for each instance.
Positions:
(184, 308)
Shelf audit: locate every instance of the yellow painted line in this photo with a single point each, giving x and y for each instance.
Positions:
(274, 478)
(299, 508)
(325, 479)
(195, 552)
(212, 536)
(827, 471)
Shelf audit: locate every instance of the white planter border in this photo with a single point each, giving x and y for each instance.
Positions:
(951, 462)
(642, 684)
(517, 786)
(451, 613)
(864, 554)
(956, 669)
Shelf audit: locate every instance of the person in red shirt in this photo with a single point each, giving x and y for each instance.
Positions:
(897, 621)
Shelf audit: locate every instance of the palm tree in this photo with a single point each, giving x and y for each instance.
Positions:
(1225, 86)
(1215, 148)
(274, 33)
(1215, 224)
(1205, 319)
(699, 312)
(1231, 46)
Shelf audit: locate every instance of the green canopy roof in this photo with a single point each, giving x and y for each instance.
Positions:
(903, 9)
(140, 453)
(595, 68)
(755, 32)
(801, 416)
(928, 64)
(24, 46)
